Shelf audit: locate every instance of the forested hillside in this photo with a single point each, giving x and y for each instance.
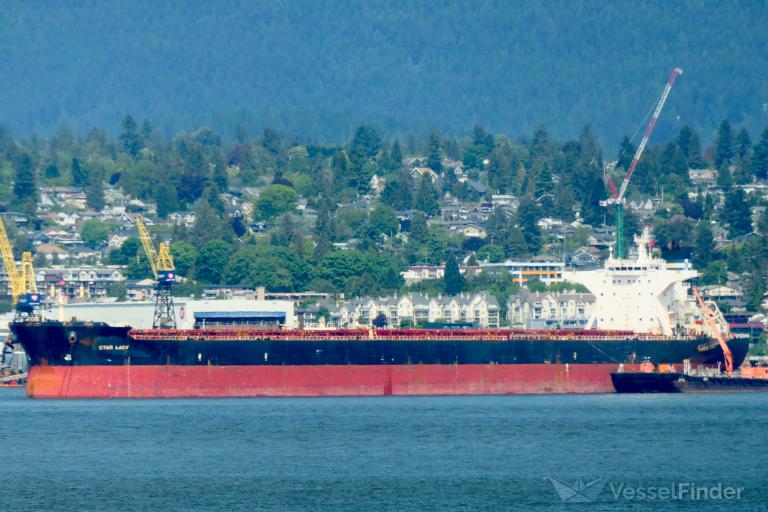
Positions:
(319, 69)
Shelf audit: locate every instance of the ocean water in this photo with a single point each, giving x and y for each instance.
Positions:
(489, 453)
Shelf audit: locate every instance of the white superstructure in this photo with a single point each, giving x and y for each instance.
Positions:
(642, 294)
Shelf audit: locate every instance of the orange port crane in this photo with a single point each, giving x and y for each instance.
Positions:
(21, 280)
(164, 271)
(617, 195)
(709, 315)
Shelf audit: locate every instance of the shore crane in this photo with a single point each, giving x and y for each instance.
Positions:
(618, 195)
(24, 295)
(164, 271)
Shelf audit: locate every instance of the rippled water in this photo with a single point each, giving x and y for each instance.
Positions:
(389, 454)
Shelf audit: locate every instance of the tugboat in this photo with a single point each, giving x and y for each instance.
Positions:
(664, 379)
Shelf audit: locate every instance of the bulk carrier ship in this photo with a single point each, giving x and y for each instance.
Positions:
(643, 311)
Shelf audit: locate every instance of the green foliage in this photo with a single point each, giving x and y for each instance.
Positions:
(94, 192)
(760, 156)
(276, 268)
(211, 261)
(397, 192)
(353, 270)
(491, 253)
(94, 232)
(736, 213)
(704, 245)
(209, 225)
(427, 197)
(674, 233)
(275, 200)
(130, 138)
(25, 193)
(391, 73)
(118, 291)
(453, 281)
(724, 145)
(184, 257)
(127, 251)
(435, 159)
(187, 288)
(382, 221)
(79, 173)
(528, 214)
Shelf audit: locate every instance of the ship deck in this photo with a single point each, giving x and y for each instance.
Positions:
(396, 335)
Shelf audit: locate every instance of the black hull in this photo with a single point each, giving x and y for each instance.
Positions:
(639, 382)
(99, 344)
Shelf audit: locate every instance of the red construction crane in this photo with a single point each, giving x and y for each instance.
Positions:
(617, 196)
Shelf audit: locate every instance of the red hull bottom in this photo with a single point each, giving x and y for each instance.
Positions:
(282, 381)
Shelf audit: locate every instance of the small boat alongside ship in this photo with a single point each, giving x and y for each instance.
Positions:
(700, 380)
(643, 311)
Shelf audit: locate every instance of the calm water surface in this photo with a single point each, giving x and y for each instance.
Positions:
(377, 454)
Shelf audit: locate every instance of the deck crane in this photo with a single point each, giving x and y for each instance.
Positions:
(22, 282)
(165, 275)
(618, 195)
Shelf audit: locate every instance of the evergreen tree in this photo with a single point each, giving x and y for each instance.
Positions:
(704, 244)
(220, 178)
(539, 144)
(760, 156)
(453, 281)
(502, 167)
(626, 152)
(419, 231)
(270, 140)
(724, 144)
(743, 143)
(52, 171)
(194, 174)
(130, 140)
(25, 186)
(324, 230)
(688, 142)
(397, 193)
(515, 245)
(672, 161)
(208, 226)
(94, 192)
(737, 213)
(396, 155)
(528, 215)
(435, 160)
(79, 173)
(724, 178)
(427, 197)
(480, 137)
(166, 197)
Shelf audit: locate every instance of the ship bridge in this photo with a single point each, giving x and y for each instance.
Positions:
(642, 294)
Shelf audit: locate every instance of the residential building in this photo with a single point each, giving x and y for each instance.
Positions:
(72, 283)
(540, 310)
(481, 309)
